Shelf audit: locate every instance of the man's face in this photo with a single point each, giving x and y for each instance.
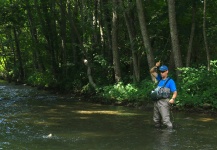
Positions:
(164, 73)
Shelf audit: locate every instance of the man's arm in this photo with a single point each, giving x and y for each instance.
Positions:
(154, 69)
(172, 100)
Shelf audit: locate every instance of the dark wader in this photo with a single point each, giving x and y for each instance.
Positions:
(162, 113)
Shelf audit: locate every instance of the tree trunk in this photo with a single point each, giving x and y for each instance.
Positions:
(49, 31)
(19, 57)
(75, 35)
(53, 35)
(89, 75)
(107, 21)
(204, 36)
(38, 63)
(132, 36)
(174, 35)
(191, 36)
(84, 50)
(145, 34)
(63, 35)
(116, 59)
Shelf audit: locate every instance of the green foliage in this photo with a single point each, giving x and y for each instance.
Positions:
(44, 41)
(198, 86)
(41, 80)
(128, 92)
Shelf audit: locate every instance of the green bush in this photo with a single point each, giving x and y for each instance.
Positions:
(128, 92)
(198, 86)
(41, 79)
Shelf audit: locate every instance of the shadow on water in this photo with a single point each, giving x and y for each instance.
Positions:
(33, 120)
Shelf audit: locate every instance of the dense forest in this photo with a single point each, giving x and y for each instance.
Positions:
(107, 47)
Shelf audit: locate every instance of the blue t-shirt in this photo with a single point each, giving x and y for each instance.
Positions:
(170, 84)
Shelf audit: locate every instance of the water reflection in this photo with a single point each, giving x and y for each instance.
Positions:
(163, 139)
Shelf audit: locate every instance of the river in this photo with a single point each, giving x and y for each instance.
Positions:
(34, 120)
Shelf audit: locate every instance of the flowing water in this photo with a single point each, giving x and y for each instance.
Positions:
(36, 120)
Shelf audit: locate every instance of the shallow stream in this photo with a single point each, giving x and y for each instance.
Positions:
(36, 120)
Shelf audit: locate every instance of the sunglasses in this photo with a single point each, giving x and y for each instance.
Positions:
(162, 71)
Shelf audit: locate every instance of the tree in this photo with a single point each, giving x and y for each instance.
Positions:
(191, 35)
(63, 53)
(204, 36)
(145, 34)
(132, 37)
(37, 58)
(116, 59)
(174, 34)
(19, 56)
(46, 13)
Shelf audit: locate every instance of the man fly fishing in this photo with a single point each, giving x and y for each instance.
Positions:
(162, 105)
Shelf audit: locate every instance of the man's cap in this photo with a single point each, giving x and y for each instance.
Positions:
(163, 68)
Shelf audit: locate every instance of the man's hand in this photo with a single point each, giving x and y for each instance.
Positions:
(171, 101)
(157, 64)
